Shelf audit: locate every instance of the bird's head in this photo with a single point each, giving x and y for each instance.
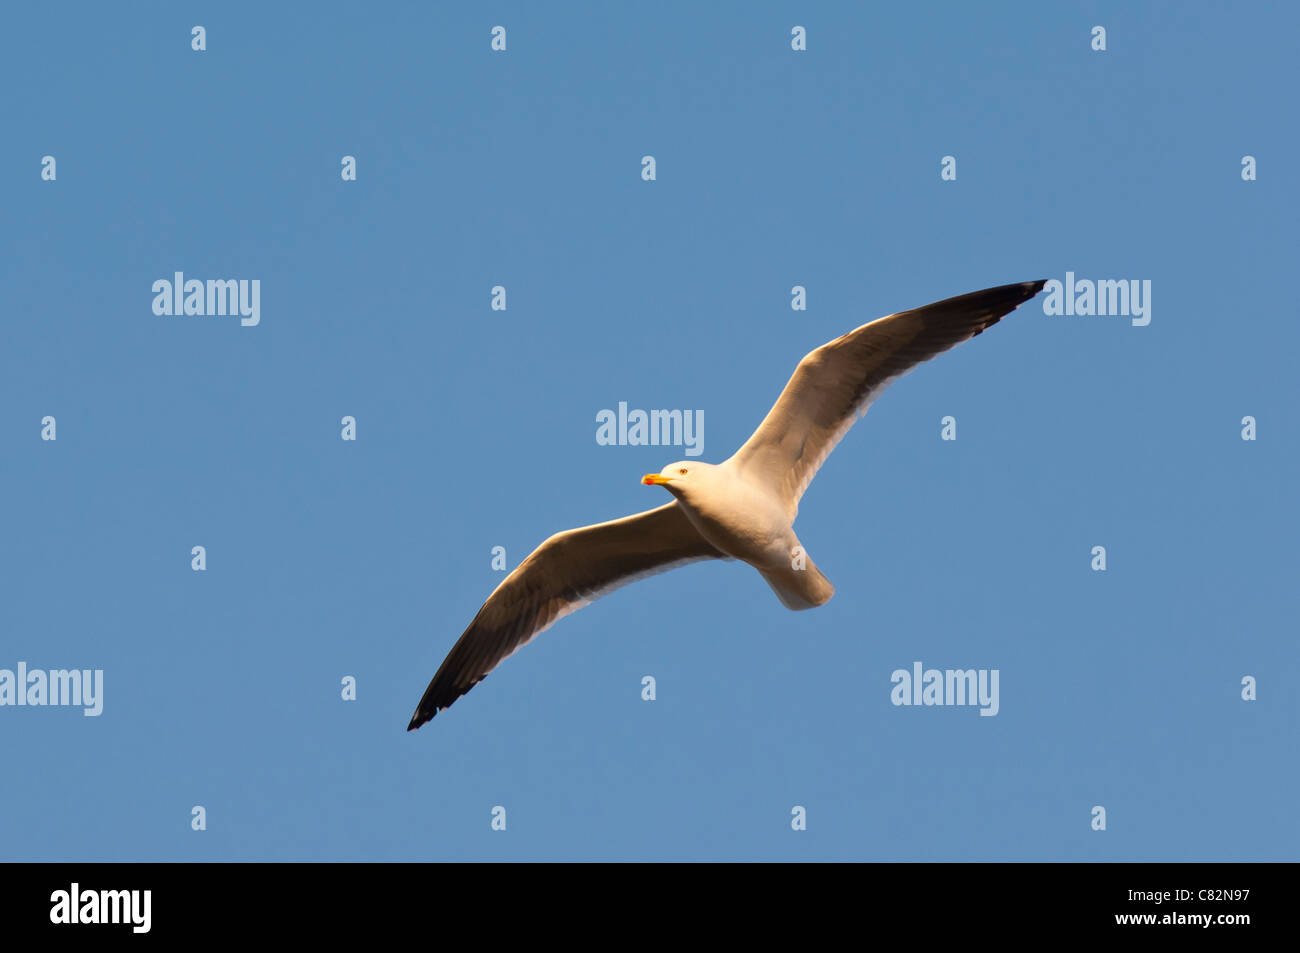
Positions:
(681, 477)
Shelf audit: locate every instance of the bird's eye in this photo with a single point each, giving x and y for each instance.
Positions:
(682, 471)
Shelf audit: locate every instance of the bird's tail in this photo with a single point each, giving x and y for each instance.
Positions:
(797, 589)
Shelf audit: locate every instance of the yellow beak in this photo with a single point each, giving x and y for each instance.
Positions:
(654, 479)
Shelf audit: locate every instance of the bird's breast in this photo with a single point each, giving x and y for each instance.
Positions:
(744, 525)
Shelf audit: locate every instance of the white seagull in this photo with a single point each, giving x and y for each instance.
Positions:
(743, 508)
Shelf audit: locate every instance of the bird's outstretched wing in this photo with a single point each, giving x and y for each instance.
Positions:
(834, 385)
(567, 572)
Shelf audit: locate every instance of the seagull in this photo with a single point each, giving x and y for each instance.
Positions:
(743, 508)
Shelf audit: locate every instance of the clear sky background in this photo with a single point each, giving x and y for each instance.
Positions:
(476, 428)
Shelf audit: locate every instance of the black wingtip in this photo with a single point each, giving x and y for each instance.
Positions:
(1009, 297)
(997, 303)
(1028, 288)
(419, 718)
(1018, 294)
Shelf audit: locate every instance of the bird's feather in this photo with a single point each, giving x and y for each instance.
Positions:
(567, 572)
(835, 384)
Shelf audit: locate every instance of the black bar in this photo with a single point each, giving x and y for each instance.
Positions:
(336, 901)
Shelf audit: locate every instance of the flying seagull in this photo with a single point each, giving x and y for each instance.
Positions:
(743, 508)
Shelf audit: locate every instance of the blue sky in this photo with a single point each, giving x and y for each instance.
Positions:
(476, 428)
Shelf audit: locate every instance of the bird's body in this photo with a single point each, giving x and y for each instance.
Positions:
(743, 508)
(740, 518)
(745, 519)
